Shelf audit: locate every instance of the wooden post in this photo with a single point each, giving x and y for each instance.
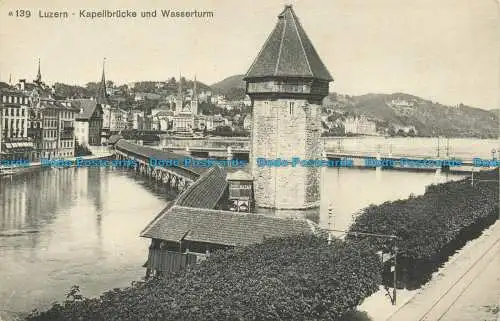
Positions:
(395, 269)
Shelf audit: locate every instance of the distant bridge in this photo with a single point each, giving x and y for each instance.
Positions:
(358, 158)
(180, 177)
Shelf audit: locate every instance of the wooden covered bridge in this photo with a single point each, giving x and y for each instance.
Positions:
(178, 177)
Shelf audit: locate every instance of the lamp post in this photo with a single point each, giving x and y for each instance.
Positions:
(395, 249)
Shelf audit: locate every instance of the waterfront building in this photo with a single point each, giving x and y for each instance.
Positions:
(66, 130)
(50, 120)
(88, 122)
(58, 128)
(287, 83)
(14, 140)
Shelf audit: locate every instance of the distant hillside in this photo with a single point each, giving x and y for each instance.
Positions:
(399, 109)
(429, 118)
(232, 87)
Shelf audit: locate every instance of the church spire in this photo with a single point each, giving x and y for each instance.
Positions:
(195, 94)
(102, 97)
(194, 99)
(180, 87)
(39, 73)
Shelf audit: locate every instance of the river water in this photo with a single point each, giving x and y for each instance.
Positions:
(81, 225)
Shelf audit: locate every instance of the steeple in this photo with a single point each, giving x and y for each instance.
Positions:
(288, 52)
(179, 101)
(102, 97)
(38, 79)
(179, 88)
(195, 94)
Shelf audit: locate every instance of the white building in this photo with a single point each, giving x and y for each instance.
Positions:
(359, 125)
(247, 122)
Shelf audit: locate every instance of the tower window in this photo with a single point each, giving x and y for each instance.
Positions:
(291, 106)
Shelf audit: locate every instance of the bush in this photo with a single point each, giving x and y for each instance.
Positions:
(298, 278)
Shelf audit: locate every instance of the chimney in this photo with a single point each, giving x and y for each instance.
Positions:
(22, 84)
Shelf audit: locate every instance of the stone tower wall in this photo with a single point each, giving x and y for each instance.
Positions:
(278, 132)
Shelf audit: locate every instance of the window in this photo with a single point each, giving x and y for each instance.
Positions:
(291, 106)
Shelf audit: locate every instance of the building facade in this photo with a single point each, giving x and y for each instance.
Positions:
(286, 83)
(66, 143)
(359, 125)
(14, 140)
(88, 122)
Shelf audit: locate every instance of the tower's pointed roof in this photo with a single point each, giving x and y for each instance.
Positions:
(102, 97)
(288, 52)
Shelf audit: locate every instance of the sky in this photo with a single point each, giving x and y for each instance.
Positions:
(442, 50)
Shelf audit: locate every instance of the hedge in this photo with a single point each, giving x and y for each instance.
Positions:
(299, 278)
(433, 226)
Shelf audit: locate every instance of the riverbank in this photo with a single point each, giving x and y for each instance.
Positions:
(6, 172)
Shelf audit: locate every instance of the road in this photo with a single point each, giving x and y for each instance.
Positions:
(466, 289)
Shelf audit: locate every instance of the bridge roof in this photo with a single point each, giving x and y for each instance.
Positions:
(205, 192)
(149, 153)
(178, 223)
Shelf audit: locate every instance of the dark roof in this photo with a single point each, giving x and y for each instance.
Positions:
(222, 227)
(203, 193)
(206, 191)
(114, 138)
(288, 52)
(150, 153)
(88, 107)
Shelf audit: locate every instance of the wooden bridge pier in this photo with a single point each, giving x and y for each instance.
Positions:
(167, 176)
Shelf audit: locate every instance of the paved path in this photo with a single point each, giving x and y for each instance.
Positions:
(466, 289)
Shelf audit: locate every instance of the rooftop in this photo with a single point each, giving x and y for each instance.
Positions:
(206, 191)
(178, 223)
(87, 106)
(288, 52)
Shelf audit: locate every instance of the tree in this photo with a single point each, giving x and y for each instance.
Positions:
(92, 88)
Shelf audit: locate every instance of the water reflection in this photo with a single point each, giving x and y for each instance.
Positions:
(60, 227)
(347, 191)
